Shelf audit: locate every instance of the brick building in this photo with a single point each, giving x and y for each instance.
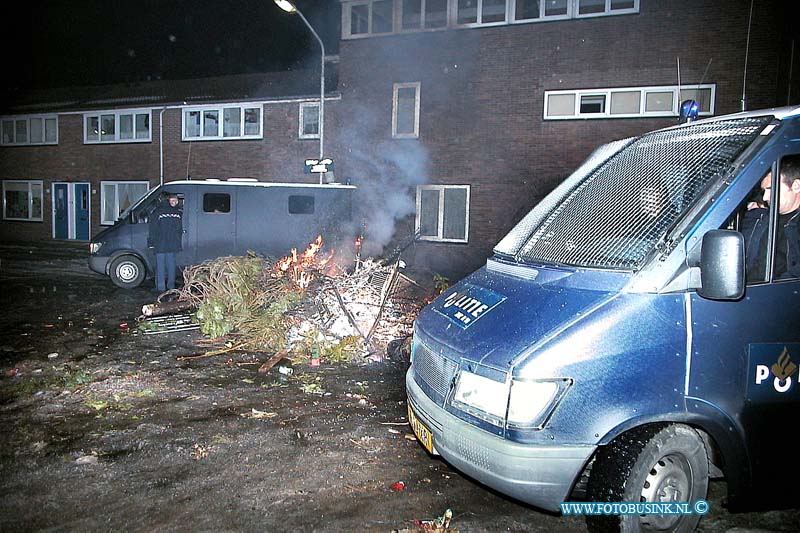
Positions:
(453, 117)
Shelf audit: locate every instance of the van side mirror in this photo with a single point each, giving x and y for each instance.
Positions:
(722, 265)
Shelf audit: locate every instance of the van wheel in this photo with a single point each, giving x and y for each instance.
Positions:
(127, 271)
(651, 464)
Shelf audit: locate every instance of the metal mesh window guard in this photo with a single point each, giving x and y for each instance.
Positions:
(614, 215)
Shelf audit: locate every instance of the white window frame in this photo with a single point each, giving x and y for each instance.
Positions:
(304, 108)
(220, 109)
(606, 12)
(395, 90)
(26, 119)
(30, 217)
(116, 139)
(104, 199)
(573, 8)
(453, 16)
(347, 19)
(442, 189)
(643, 91)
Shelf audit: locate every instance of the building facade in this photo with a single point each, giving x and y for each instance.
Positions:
(453, 117)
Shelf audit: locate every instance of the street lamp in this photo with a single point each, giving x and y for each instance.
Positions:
(289, 7)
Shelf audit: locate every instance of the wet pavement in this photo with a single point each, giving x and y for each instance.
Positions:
(106, 429)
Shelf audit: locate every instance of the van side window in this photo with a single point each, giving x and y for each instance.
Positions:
(216, 203)
(754, 222)
(301, 205)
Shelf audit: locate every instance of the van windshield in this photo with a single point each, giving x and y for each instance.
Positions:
(614, 210)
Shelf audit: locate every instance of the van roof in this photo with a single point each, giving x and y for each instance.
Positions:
(240, 183)
(779, 113)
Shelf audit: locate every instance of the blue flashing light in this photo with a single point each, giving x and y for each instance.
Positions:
(689, 110)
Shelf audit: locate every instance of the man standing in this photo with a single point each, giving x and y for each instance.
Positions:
(756, 222)
(165, 236)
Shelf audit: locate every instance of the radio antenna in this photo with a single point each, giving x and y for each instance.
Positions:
(746, 53)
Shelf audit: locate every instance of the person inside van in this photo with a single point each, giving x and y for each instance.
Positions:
(165, 236)
(756, 223)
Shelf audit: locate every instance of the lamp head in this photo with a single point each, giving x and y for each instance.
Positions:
(286, 5)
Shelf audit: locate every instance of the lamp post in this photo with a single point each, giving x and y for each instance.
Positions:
(289, 7)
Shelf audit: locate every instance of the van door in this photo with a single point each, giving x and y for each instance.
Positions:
(215, 231)
(745, 355)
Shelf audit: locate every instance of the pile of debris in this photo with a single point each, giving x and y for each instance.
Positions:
(304, 303)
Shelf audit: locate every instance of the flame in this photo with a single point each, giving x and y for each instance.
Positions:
(303, 268)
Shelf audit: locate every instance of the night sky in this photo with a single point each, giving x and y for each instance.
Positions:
(57, 43)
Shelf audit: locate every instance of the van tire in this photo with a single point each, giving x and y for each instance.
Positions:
(127, 271)
(643, 464)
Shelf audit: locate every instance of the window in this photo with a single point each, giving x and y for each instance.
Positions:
(405, 115)
(594, 8)
(117, 196)
(309, 121)
(117, 127)
(417, 14)
(593, 103)
(754, 223)
(232, 122)
(228, 123)
(301, 205)
(362, 18)
(626, 102)
(216, 203)
(443, 213)
(367, 17)
(22, 200)
(30, 130)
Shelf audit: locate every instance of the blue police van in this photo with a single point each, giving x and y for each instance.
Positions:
(628, 340)
(224, 217)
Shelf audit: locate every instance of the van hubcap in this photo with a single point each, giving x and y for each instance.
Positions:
(127, 271)
(669, 480)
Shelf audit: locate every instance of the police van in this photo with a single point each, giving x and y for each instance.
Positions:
(618, 346)
(224, 217)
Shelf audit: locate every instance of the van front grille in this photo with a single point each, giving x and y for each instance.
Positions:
(433, 370)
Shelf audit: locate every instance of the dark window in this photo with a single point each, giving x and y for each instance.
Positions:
(593, 103)
(301, 205)
(216, 203)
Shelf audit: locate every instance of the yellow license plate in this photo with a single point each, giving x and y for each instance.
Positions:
(420, 430)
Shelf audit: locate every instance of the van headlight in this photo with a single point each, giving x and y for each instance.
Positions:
(481, 397)
(94, 247)
(530, 402)
(524, 404)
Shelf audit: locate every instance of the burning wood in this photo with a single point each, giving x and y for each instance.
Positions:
(302, 301)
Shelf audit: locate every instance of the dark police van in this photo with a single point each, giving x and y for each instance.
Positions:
(620, 345)
(224, 218)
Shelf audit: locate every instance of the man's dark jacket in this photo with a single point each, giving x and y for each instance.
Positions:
(754, 229)
(165, 229)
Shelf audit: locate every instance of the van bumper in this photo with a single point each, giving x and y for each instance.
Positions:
(542, 476)
(99, 264)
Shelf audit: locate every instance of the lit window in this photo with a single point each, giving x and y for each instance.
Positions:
(228, 123)
(560, 105)
(117, 127)
(22, 200)
(117, 196)
(658, 101)
(625, 102)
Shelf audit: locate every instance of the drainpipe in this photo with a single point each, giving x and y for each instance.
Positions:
(161, 145)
